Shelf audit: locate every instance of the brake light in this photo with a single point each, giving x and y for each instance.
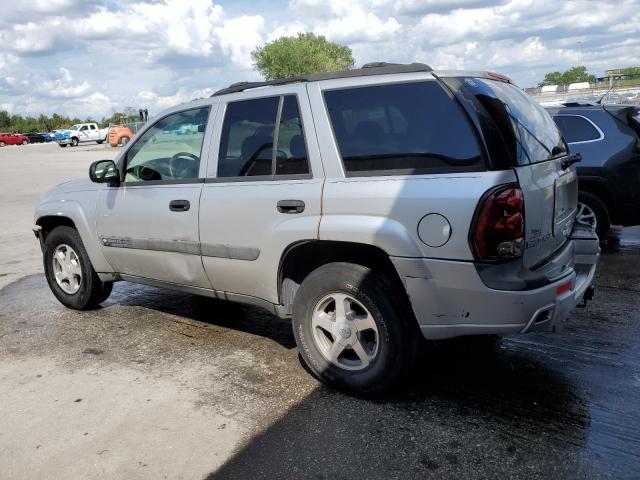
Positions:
(499, 228)
(565, 287)
(499, 77)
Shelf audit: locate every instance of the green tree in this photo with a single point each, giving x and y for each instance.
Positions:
(43, 123)
(303, 54)
(573, 75)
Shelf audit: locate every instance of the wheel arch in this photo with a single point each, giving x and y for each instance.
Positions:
(600, 189)
(299, 259)
(69, 213)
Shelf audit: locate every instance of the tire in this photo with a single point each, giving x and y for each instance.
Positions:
(24, 142)
(397, 331)
(2, 144)
(63, 145)
(91, 291)
(123, 141)
(590, 205)
(74, 142)
(99, 142)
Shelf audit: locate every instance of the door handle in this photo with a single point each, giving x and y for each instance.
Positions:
(290, 206)
(179, 205)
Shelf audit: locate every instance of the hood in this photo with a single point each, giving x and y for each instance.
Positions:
(68, 187)
(63, 134)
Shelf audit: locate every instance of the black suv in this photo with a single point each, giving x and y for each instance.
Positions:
(607, 137)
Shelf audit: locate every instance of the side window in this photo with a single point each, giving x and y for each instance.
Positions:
(83, 128)
(247, 140)
(92, 127)
(406, 128)
(246, 146)
(291, 154)
(170, 149)
(576, 129)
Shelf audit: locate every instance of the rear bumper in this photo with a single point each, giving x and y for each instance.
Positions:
(449, 298)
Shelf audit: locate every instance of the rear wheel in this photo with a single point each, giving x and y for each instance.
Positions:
(593, 212)
(352, 330)
(69, 273)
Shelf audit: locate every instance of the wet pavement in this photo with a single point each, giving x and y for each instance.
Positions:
(563, 405)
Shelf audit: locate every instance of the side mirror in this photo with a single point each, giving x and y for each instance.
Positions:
(104, 171)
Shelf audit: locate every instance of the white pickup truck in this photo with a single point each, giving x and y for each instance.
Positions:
(82, 132)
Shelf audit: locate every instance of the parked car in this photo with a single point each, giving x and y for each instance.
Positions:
(608, 139)
(83, 132)
(12, 139)
(375, 207)
(35, 137)
(119, 135)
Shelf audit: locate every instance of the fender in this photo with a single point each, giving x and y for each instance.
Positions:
(383, 232)
(72, 210)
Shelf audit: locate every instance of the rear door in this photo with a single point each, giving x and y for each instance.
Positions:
(536, 149)
(263, 192)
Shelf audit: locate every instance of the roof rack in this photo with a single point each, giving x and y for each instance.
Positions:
(374, 68)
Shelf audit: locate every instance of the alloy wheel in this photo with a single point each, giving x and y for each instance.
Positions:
(345, 332)
(586, 216)
(67, 269)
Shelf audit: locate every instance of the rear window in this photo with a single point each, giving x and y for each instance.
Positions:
(529, 132)
(407, 128)
(577, 129)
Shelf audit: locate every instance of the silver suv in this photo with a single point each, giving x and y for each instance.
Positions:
(374, 207)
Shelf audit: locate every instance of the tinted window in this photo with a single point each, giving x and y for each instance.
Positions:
(528, 130)
(246, 147)
(291, 152)
(170, 149)
(404, 128)
(576, 129)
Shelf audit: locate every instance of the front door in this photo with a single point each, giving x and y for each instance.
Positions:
(263, 193)
(148, 226)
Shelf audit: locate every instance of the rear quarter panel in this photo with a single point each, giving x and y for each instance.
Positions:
(386, 211)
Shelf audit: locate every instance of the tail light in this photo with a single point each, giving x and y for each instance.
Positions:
(499, 227)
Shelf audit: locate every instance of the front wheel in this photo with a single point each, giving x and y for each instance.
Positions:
(353, 328)
(2, 144)
(24, 142)
(69, 272)
(74, 142)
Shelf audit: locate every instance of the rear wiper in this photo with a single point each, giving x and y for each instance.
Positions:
(567, 162)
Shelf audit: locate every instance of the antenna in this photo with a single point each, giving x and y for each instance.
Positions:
(599, 102)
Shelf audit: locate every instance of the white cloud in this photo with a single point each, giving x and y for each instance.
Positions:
(239, 36)
(89, 58)
(62, 86)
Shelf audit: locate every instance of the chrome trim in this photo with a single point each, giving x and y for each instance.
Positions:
(181, 246)
(598, 129)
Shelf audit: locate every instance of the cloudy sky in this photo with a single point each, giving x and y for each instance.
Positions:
(91, 58)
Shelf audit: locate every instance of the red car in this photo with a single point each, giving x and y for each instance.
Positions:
(12, 139)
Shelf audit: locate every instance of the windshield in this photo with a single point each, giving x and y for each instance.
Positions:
(74, 127)
(528, 130)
